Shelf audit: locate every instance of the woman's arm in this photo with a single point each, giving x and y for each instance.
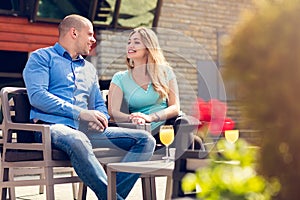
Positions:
(115, 98)
(173, 108)
(171, 111)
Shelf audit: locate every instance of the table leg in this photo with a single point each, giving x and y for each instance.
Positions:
(149, 187)
(111, 184)
(169, 186)
(153, 187)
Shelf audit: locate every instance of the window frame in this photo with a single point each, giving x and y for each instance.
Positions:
(92, 12)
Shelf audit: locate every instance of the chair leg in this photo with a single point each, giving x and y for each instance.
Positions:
(3, 193)
(4, 173)
(42, 187)
(50, 192)
(11, 190)
(74, 187)
(12, 193)
(48, 172)
(75, 192)
(82, 191)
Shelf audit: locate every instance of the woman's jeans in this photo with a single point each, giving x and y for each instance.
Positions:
(139, 145)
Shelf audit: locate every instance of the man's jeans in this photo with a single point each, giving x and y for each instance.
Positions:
(139, 145)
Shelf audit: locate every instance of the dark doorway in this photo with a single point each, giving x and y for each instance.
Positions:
(11, 68)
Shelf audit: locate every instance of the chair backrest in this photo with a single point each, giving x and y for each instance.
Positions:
(19, 111)
(104, 84)
(1, 136)
(187, 162)
(186, 159)
(22, 115)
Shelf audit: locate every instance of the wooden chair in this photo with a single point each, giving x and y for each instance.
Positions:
(39, 172)
(189, 161)
(22, 152)
(186, 160)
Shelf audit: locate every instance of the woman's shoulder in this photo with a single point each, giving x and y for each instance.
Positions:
(169, 72)
(168, 68)
(120, 75)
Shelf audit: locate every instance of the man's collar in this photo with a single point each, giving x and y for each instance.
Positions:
(64, 53)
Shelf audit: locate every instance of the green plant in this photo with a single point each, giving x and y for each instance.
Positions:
(262, 57)
(231, 175)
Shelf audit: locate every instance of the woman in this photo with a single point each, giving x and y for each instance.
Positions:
(148, 86)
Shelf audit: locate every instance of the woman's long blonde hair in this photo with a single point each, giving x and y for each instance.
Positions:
(156, 63)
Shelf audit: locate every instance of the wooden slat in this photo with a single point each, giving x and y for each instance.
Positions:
(13, 20)
(38, 29)
(22, 25)
(10, 75)
(18, 34)
(27, 38)
(22, 47)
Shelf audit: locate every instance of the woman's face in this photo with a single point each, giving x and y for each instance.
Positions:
(135, 47)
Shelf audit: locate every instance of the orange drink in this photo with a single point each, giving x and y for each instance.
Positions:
(232, 135)
(166, 136)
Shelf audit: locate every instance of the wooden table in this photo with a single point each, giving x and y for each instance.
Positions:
(152, 168)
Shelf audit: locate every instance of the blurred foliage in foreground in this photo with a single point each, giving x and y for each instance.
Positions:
(231, 175)
(263, 57)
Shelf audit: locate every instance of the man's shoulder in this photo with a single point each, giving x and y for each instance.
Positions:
(44, 51)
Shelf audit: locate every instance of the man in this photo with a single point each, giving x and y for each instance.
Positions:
(64, 92)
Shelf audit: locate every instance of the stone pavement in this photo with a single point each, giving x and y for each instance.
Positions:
(64, 192)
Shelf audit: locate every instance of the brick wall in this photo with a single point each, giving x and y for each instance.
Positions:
(187, 31)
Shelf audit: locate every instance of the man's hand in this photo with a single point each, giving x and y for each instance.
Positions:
(96, 119)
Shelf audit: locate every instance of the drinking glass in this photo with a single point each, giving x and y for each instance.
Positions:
(231, 136)
(166, 136)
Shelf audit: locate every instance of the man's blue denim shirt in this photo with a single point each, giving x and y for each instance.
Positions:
(59, 87)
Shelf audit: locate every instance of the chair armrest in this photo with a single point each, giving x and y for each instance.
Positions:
(42, 128)
(146, 126)
(187, 120)
(27, 127)
(184, 127)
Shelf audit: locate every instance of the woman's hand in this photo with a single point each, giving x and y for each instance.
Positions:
(139, 118)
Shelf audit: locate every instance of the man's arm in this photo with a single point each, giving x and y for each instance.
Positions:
(36, 76)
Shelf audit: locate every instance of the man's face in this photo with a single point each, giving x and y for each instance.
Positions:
(85, 40)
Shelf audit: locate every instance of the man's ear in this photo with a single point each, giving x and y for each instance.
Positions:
(73, 32)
